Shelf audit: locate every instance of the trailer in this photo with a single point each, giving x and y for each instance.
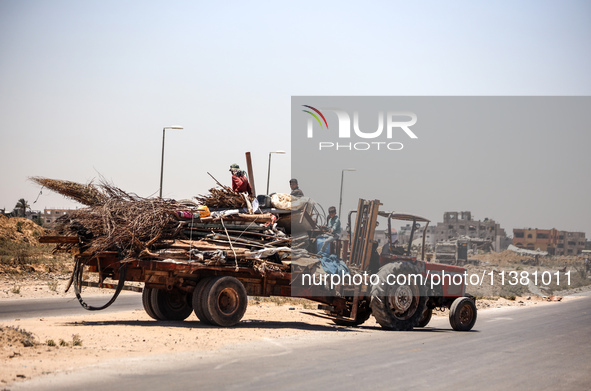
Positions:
(217, 292)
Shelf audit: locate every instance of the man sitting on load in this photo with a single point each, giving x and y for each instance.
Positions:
(332, 229)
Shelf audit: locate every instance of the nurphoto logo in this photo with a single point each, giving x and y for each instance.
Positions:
(395, 121)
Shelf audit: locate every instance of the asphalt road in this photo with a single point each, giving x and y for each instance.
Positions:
(536, 348)
(64, 306)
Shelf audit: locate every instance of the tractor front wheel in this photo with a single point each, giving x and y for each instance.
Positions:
(462, 314)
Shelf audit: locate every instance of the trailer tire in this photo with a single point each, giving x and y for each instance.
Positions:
(224, 301)
(147, 302)
(462, 314)
(395, 306)
(197, 302)
(425, 317)
(171, 305)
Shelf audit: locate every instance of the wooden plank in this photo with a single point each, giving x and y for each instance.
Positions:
(250, 172)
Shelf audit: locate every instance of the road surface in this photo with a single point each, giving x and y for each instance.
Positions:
(546, 347)
(64, 306)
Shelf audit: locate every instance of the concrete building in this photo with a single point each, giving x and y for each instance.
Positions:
(570, 243)
(551, 240)
(50, 216)
(535, 239)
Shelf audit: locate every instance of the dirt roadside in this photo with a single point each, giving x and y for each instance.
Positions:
(66, 343)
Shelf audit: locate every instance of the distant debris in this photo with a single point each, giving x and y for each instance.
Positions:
(523, 251)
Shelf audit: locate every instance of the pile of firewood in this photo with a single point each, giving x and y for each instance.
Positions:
(222, 198)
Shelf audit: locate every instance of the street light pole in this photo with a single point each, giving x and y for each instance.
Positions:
(269, 169)
(342, 177)
(162, 160)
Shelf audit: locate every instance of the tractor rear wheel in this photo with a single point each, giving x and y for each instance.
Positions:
(224, 301)
(462, 314)
(398, 300)
(171, 305)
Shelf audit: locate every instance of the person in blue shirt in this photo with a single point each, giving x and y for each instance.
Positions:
(333, 228)
(333, 223)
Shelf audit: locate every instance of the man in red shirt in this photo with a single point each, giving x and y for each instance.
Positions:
(240, 182)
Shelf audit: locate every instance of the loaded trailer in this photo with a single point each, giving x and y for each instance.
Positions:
(401, 292)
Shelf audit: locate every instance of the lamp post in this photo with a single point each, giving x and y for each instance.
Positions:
(162, 161)
(269, 169)
(342, 177)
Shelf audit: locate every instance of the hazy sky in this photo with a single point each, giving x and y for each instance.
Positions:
(87, 86)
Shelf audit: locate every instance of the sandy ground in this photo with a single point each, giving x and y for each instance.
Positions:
(14, 286)
(105, 336)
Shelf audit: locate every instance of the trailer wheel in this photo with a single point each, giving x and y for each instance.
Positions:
(224, 301)
(398, 300)
(197, 302)
(171, 305)
(146, 301)
(462, 314)
(426, 317)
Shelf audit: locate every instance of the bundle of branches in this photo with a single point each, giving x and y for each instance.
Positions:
(222, 198)
(85, 194)
(124, 222)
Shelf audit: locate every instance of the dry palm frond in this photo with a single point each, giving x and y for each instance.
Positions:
(124, 222)
(87, 194)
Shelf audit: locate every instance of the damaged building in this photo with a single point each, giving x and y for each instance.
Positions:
(553, 241)
(461, 225)
(50, 216)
